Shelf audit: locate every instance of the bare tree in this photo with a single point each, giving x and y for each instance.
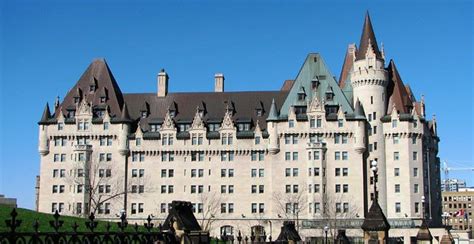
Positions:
(337, 208)
(102, 184)
(291, 205)
(211, 205)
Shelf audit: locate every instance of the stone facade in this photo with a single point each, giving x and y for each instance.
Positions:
(246, 160)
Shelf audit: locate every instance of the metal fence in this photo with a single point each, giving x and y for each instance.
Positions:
(147, 233)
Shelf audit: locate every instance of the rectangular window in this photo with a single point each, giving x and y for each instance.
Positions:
(257, 140)
(397, 188)
(337, 138)
(413, 140)
(261, 207)
(340, 123)
(254, 208)
(396, 139)
(312, 122)
(287, 156)
(295, 156)
(337, 155)
(291, 123)
(345, 171)
(415, 172)
(396, 172)
(394, 123)
(417, 207)
(396, 155)
(318, 123)
(415, 156)
(345, 156)
(398, 207)
(415, 188)
(261, 172)
(287, 172)
(253, 173)
(345, 188)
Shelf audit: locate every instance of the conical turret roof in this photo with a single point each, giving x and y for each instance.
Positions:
(273, 114)
(125, 116)
(359, 112)
(46, 115)
(368, 38)
(397, 92)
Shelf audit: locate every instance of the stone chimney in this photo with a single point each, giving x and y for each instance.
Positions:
(162, 83)
(219, 82)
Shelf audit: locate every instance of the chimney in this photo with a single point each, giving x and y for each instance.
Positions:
(162, 83)
(219, 82)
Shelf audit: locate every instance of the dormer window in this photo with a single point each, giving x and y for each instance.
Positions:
(300, 110)
(259, 112)
(155, 127)
(71, 114)
(314, 84)
(301, 96)
(103, 99)
(100, 113)
(144, 114)
(329, 96)
(91, 88)
(183, 127)
(243, 126)
(172, 113)
(76, 99)
(214, 127)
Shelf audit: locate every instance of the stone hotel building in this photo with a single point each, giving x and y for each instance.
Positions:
(246, 160)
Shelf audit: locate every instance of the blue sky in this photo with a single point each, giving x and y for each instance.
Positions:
(46, 45)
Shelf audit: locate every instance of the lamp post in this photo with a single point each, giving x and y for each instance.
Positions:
(423, 208)
(326, 229)
(375, 169)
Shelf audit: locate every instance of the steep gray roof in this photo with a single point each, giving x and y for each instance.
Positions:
(98, 74)
(243, 105)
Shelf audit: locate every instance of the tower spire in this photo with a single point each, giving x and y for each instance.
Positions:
(368, 39)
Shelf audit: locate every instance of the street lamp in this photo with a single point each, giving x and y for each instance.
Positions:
(375, 169)
(326, 229)
(423, 208)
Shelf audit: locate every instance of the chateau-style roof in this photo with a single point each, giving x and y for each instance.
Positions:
(346, 67)
(375, 220)
(243, 105)
(367, 37)
(314, 67)
(45, 118)
(397, 91)
(99, 75)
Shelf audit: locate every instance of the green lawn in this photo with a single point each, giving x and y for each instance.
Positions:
(28, 218)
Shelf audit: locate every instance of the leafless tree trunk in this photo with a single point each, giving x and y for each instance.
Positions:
(333, 216)
(211, 204)
(102, 184)
(291, 205)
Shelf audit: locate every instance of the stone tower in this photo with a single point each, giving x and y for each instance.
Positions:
(369, 80)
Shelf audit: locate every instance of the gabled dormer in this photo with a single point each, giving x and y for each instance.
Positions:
(145, 110)
(168, 123)
(93, 85)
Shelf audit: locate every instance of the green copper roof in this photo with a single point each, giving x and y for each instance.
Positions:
(314, 67)
(273, 114)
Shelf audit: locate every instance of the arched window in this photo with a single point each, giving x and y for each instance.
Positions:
(227, 231)
(258, 230)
